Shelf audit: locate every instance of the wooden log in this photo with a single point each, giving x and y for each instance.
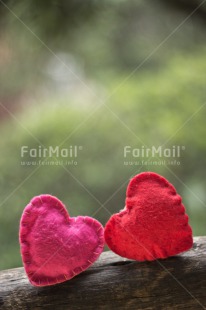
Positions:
(117, 283)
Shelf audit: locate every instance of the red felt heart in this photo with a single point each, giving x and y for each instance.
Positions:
(153, 224)
(54, 246)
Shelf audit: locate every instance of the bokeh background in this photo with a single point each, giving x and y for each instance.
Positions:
(100, 75)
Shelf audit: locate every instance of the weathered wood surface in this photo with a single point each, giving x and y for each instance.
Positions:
(115, 283)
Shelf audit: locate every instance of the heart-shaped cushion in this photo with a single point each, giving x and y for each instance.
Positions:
(153, 224)
(54, 246)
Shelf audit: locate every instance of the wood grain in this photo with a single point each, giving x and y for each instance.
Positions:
(116, 283)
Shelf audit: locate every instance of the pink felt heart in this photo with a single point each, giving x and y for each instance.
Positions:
(54, 246)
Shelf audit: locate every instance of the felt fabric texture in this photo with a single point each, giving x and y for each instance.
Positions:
(54, 246)
(153, 224)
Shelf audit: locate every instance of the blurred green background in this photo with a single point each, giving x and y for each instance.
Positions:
(99, 75)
